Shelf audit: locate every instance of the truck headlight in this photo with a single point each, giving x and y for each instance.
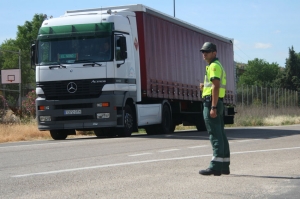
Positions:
(103, 104)
(42, 108)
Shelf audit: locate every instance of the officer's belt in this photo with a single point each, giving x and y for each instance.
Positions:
(208, 98)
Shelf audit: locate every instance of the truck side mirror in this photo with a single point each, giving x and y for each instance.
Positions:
(33, 56)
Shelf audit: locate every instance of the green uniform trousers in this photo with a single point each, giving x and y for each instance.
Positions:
(215, 127)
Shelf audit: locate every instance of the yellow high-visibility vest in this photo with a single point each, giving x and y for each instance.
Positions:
(214, 70)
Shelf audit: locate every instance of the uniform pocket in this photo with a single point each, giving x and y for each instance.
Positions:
(207, 118)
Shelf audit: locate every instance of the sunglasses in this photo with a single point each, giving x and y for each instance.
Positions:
(206, 51)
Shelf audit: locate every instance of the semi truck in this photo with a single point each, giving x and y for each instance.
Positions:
(114, 70)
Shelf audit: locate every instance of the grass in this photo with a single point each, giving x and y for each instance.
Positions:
(266, 116)
(21, 132)
(246, 116)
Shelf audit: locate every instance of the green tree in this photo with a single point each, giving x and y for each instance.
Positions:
(291, 79)
(9, 60)
(25, 35)
(261, 73)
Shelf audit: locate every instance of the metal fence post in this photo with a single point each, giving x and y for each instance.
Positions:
(252, 93)
(242, 95)
(261, 95)
(267, 97)
(282, 97)
(285, 97)
(274, 98)
(247, 96)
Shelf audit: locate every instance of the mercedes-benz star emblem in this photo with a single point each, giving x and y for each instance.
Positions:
(71, 87)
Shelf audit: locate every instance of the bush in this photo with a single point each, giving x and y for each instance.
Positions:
(3, 106)
(7, 116)
(28, 104)
(3, 103)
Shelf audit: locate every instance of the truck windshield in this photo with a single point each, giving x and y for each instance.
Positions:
(77, 49)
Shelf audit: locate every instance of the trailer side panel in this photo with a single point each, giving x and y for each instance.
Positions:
(172, 66)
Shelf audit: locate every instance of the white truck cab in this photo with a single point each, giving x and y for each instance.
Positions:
(87, 71)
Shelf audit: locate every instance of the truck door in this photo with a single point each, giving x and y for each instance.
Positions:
(124, 72)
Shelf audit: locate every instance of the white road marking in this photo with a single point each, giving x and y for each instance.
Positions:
(169, 150)
(235, 141)
(143, 162)
(107, 165)
(140, 154)
(266, 150)
(27, 145)
(43, 144)
(194, 147)
(244, 141)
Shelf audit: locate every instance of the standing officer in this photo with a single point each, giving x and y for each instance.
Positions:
(213, 93)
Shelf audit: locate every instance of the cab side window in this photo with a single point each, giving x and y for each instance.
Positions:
(118, 48)
(121, 47)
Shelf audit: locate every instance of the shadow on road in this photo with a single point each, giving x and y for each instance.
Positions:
(232, 134)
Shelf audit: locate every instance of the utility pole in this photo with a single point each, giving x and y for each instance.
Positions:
(20, 96)
(174, 7)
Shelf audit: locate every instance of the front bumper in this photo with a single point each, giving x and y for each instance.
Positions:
(87, 119)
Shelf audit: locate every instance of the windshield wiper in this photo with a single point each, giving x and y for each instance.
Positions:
(57, 66)
(92, 64)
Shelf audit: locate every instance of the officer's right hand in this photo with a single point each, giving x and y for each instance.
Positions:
(201, 86)
(213, 113)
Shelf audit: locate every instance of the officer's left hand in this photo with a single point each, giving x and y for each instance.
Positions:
(213, 113)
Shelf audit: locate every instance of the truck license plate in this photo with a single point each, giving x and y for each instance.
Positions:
(72, 112)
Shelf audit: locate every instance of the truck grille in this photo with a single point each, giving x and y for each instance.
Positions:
(68, 118)
(59, 90)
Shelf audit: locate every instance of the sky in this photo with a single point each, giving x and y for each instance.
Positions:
(263, 29)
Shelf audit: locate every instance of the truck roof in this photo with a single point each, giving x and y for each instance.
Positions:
(143, 8)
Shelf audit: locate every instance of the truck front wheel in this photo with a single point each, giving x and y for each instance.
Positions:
(59, 134)
(126, 131)
(104, 132)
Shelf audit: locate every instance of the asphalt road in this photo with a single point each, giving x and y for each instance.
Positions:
(265, 163)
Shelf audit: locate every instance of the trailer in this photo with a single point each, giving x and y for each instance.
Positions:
(117, 69)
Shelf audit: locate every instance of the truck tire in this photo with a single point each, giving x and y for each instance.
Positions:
(173, 128)
(152, 129)
(59, 134)
(104, 132)
(200, 125)
(126, 131)
(166, 123)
